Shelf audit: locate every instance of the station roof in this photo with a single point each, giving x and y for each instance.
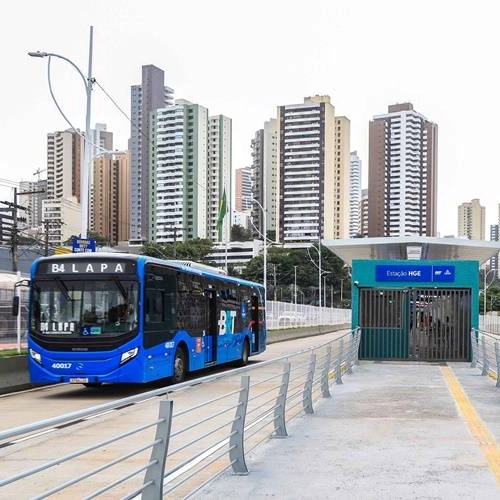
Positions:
(413, 248)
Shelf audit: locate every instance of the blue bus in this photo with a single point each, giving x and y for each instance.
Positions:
(116, 318)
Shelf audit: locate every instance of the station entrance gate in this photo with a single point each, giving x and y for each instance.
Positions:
(422, 324)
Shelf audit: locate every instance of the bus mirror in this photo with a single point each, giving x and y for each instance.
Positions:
(15, 305)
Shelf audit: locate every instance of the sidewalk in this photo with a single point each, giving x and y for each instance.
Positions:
(392, 430)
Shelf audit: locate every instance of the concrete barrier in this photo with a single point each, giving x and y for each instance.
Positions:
(284, 334)
(14, 373)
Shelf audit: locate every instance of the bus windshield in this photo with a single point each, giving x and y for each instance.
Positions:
(92, 308)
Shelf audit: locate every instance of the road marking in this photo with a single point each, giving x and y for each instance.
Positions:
(486, 440)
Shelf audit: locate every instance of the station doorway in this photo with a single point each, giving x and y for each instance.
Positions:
(421, 324)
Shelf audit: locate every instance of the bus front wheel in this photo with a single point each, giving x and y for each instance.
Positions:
(180, 367)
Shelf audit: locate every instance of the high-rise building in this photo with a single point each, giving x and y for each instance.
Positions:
(179, 138)
(495, 236)
(33, 201)
(313, 149)
(471, 220)
(64, 162)
(355, 196)
(150, 95)
(111, 173)
(63, 218)
(243, 189)
(219, 175)
(61, 209)
(265, 176)
(101, 141)
(402, 178)
(364, 213)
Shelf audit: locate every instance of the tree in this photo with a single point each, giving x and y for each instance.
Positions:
(239, 233)
(196, 250)
(280, 269)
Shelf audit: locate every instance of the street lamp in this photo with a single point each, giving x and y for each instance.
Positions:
(486, 273)
(264, 237)
(295, 287)
(84, 184)
(324, 273)
(318, 267)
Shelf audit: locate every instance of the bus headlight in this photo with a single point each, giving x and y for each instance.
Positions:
(128, 355)
(35, 356)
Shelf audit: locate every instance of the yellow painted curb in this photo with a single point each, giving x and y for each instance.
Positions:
(486, 441)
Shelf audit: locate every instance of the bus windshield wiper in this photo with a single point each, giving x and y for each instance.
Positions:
(120, 287)
(64, 289)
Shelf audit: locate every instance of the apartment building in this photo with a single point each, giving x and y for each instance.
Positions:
(471, 220)
(150, 95)
(402, 179)
(314, 169)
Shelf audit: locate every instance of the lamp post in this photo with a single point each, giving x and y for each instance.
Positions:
(324, 273)
(486, 273)
(295, 287)
(84, 183)
(264, 237)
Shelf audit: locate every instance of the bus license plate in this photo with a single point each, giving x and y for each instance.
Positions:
(79, 380)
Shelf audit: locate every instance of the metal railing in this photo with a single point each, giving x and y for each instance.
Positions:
(286, 315)
(489, 323)
(486, 353)
(178, 448)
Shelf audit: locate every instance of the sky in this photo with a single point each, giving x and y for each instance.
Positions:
(243, 59)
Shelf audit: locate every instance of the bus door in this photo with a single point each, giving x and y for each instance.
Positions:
(254, 317)
(211, 334)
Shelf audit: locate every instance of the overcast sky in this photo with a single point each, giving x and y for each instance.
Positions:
(242, 59)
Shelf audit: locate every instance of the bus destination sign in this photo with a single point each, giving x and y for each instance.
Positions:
(82, 266)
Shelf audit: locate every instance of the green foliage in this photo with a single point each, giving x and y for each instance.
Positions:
(196, 250)
(7, 353)
(492, 298)
(283, 261)
(239, 233)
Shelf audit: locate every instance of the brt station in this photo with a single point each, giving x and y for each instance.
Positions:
(415, 298)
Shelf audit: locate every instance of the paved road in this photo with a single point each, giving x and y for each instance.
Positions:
(49, 401)
(392, 431)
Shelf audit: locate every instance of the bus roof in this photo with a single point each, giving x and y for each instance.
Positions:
(182, 265)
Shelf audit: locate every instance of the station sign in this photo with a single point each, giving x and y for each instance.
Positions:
(415, 273)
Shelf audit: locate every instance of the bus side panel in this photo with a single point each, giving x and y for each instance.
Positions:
(160, 358)
(235, 346)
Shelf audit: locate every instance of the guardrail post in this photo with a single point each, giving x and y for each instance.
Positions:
(279, 411)
(473, 343)
(497, 357)
(236, 441)
(357, 333)
(325, 386)
(154, 474)
(338, 369)
(307, 394)
(485, 357)
(350, 357)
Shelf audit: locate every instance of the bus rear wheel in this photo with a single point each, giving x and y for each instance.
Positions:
(243, 361)
(180, 367)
